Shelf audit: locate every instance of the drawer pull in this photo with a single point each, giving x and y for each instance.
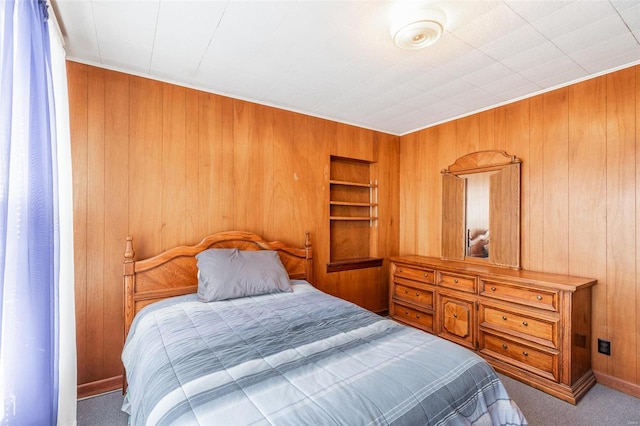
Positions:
(406, 291)
(406, 312)
(493, 289)
(400, 270)
(539, 297)
(504, 318)
(426, 275)
(455, 315)
(504, 346)
(417, 294)
(525, 323)
(417, 316)
(455, 281)
(525, 353)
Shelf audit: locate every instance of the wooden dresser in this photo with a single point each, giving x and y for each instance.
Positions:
(532, 326)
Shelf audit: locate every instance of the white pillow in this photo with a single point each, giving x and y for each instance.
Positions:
(230, 273)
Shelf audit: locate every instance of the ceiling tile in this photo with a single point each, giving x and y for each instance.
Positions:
(546, 71)
(572, 17)
(533, 10)
(184, 32)
(604, 55)
(126, 35)
(519, 40)
(535, 56)
(611, 27)
(76, 21)
(491, 26)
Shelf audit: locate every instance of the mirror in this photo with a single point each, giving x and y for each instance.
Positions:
(481, 209)
(477, 215)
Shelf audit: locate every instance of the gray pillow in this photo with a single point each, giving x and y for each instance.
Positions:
(231, 273)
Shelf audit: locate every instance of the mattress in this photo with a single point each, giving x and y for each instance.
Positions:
(300, 358)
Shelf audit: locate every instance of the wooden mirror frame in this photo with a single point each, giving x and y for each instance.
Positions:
(504, 207)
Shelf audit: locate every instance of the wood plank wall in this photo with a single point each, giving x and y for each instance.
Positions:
(170, 165)
(580, 148)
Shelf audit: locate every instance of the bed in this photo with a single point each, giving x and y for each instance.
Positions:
(294, 356)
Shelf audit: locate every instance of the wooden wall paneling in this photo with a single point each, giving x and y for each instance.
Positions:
(209, 150)
(174, 176)
(78, 123)
(500, 128)
(534, 204)
(146, 161)
(621, 219)
(389, 188)
(323, 133)
(556, 181)
(281, 209)
(353, 142)
(409, 192)
(514, 127)
(96, 310)
(301, 178)
(261, 143)
(388, 209)
(587, 196)
(216, 164)
(245, 176)
(363, 287)
(446, 154)
(192, 166)
(475, 133)
(637, 381)
(427, 176)
(466, 135)
(486, 130)
(116, 172)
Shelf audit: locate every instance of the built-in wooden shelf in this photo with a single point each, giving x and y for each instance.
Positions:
(348, 203)
(363, 218)
(350, 264)
(353, 215)
(347, 183)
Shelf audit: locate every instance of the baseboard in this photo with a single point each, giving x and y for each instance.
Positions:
(99, 386)
(618, 384)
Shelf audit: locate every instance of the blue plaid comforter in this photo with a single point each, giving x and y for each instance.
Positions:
(300, 358)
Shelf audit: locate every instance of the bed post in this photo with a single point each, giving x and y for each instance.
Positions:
(129, 285)
(308, 256)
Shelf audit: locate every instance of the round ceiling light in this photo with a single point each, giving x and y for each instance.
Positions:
(419, 29)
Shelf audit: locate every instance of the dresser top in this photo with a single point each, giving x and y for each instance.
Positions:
(544, 279)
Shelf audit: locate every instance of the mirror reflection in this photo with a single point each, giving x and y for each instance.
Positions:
(477, 215)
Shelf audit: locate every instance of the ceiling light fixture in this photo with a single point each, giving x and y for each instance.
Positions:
(418, 28)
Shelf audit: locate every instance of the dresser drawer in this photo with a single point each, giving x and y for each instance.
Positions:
(457, 282)
(529, 296)
(415, 295)
(414, 317)
(541, 330)
(422, 275)
(536, 361)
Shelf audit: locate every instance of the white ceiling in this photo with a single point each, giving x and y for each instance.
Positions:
(336, 59)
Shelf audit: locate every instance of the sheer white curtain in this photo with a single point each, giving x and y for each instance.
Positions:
(37, 316)
(67, 393)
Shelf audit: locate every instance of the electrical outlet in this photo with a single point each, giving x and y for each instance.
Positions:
(604, 347)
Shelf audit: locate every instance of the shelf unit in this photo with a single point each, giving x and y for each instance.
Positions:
(359, 211)
(353, 215)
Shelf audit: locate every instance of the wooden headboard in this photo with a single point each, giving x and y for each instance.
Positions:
(174, 272)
